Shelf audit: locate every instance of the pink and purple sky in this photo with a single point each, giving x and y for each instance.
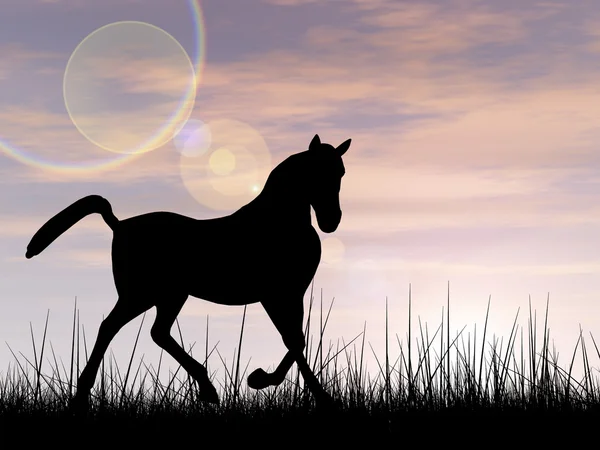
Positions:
(474, 160)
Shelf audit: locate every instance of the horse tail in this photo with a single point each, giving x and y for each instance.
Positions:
(68, 217)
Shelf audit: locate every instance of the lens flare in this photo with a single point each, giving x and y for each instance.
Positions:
(234, 169)
(28, 153)
(129, 87)
(193, 139)
(222, 161)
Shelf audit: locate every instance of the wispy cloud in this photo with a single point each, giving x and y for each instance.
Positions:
(479, 269)
(14, 57)
(433, 127)
(474, 128)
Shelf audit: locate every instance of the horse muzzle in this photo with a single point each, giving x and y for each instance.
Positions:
(329, 224)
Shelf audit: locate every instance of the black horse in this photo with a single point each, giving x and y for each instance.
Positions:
(267, 252)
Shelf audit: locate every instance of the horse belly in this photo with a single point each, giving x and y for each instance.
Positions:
(247, 269)
(237, 282)
(148, 254)
(226, 276)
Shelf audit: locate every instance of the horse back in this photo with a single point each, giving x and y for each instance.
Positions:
(214, 259)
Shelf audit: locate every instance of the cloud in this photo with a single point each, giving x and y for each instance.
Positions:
(385, 221)
(76, 3)
(591, 28)
(169, 72)
(85, 258)
(437, 134)
(44, 135)
(431, 29)
(463, 123)
(481, 269)
(14, 57)
(379, 182)
(293, 2)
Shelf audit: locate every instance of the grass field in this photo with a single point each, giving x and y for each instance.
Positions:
(507, 390)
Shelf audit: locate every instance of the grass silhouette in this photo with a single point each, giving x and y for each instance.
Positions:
(491, 389)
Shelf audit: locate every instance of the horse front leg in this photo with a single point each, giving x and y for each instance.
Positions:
(287, 317)
(259, 379)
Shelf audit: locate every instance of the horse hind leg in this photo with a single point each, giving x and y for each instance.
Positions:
(125, 310)
(166, 313)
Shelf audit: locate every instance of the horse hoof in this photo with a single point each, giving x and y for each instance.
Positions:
(209, 394)
(259, 379)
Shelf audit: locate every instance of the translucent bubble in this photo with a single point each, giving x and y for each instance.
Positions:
(246, 176)
(222, 161)
(332, 250)
(193, 139)
(38, 155)
(234, 169)
(129, 87)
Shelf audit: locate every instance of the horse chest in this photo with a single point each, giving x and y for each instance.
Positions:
(244, 267)
(276, 252)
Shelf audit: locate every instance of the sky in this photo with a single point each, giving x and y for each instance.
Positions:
(473, 169)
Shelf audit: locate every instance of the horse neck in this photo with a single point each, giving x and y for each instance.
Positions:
(281, 201)
(276, 208)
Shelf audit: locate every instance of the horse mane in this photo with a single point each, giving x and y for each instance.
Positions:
(283, 182)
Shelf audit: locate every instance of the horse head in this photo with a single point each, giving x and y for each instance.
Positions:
(324, 182)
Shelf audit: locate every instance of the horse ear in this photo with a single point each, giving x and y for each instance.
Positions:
(315, 143)
(343, 147)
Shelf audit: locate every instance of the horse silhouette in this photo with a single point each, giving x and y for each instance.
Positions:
(267, 251)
